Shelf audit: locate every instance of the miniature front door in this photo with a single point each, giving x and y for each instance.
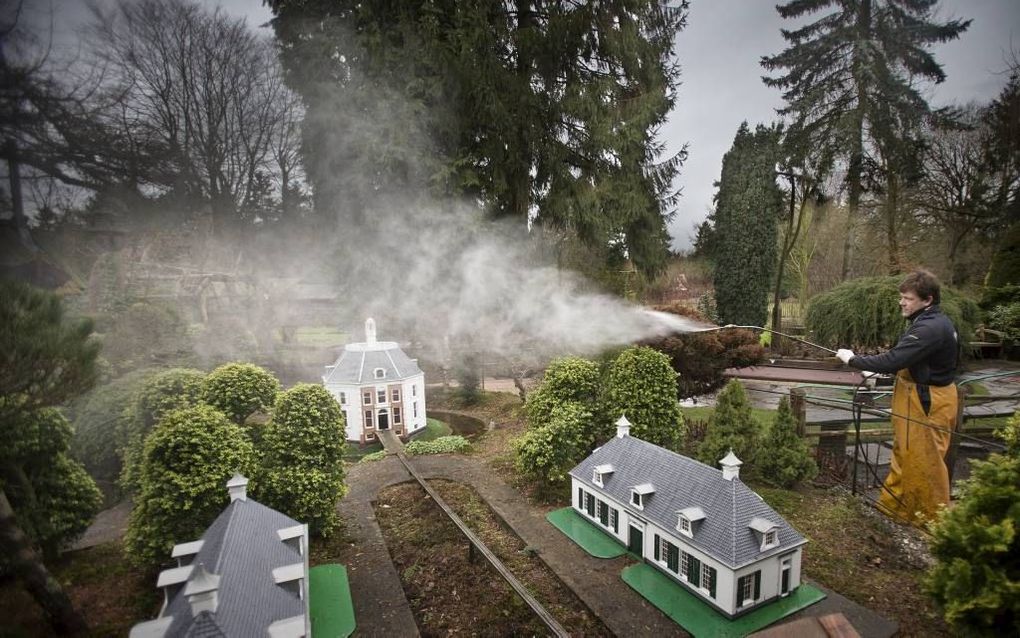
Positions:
(784, 579)
(384, 420)
(636, 542)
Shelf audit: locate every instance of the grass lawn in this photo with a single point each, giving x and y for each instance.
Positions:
(353, 452)
(434, 428)
(320, 336)
(763, 416)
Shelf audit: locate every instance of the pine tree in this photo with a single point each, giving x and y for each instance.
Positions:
(530, 106)
(748, 207)
(732, 426)
(784, 458)
(849, 79)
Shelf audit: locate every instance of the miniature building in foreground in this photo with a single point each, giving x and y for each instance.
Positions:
(378, 387)
(700, 526)
(246, 576)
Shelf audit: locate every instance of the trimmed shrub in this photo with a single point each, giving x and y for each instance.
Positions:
(372, 457)
(547, 453)
(641, 384)
(301, 471)
(161, 393)
(442, 445)
(1007, 320)
(566, 380)
(864, 313)
(188, 459)
(785, 459)
(239, 390)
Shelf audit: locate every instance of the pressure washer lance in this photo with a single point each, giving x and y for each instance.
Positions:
(869, 378)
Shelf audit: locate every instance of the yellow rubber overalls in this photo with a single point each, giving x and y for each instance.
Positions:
(918, 481)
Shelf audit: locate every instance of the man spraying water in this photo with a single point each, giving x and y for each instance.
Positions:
(924, 404)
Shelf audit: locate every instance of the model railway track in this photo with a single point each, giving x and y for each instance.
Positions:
(393, 445)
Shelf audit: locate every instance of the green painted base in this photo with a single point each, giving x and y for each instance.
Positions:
(591, 539)
(329, 602)
(698, 618)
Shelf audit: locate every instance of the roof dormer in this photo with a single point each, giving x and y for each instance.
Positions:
(600, 473)
(766, 532)
(687, 520)
(639, 495)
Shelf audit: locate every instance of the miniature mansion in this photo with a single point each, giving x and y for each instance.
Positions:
(378, 387)
(700, 526)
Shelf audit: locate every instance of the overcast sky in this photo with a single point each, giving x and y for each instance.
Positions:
(721, 83)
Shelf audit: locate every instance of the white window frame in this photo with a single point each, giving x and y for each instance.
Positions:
(766, 543)
(684, 526)
(396, 416)
(379, 373)
(395, 395)
(415, 406)
(685, 564)
(705, 577)
(664, 551)
(380, 395)
(369, 422)
(366, 397)
(414, 389)
(343, 398)
(596, 477)
(748, 589)
(637, 499)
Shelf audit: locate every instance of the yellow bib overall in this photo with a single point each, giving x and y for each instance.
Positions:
(918, 481)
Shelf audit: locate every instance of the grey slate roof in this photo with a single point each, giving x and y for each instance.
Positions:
(680, 483)
(356, 366)
(242, 548)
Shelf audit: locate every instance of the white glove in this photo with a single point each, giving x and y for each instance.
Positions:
(869, 375)
(844, 355)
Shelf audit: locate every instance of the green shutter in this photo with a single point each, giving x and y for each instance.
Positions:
(615, 517)
(757, 584)
(603, 513)
(694, 573)
(656, 547)
(740, 590)
(711, 582)
(674, 557)
(580, 498)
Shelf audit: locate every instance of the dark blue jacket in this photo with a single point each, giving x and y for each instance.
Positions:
(929, 349)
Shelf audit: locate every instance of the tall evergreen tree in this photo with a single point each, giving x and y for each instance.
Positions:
(544, 111)
(748, 207)
(849, 79)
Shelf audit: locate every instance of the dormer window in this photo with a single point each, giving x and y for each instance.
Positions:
(687, 518)
(380, 373)
(639, 494)
(600, 473)
(766, 531)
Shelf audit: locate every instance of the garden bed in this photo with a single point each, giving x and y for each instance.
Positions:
(448, 592)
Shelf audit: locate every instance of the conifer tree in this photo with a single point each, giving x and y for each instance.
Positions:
(849, 79)
(732, 426)
(748, 207)
(784, 458)
(545, 111)
(976, 545)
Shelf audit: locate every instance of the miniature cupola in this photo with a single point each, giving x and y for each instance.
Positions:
(237, 487)
(370, 330)
(622, 427)
(202, 591)
(730, 466)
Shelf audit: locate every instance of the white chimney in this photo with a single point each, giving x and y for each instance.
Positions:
(237, 487)
(202, 591)
(370, 330)
(622, 427)
(730, 466)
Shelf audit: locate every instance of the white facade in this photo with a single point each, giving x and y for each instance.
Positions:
(619, 519)
(378, 388)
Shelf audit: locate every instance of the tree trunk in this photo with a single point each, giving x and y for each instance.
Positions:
(891, 208)
(17, 202)
(788, 242)
(44, 588)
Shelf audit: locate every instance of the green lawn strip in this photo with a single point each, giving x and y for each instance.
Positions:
(329, 602)
(697, 617)
(434, 428)
(590, 538)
